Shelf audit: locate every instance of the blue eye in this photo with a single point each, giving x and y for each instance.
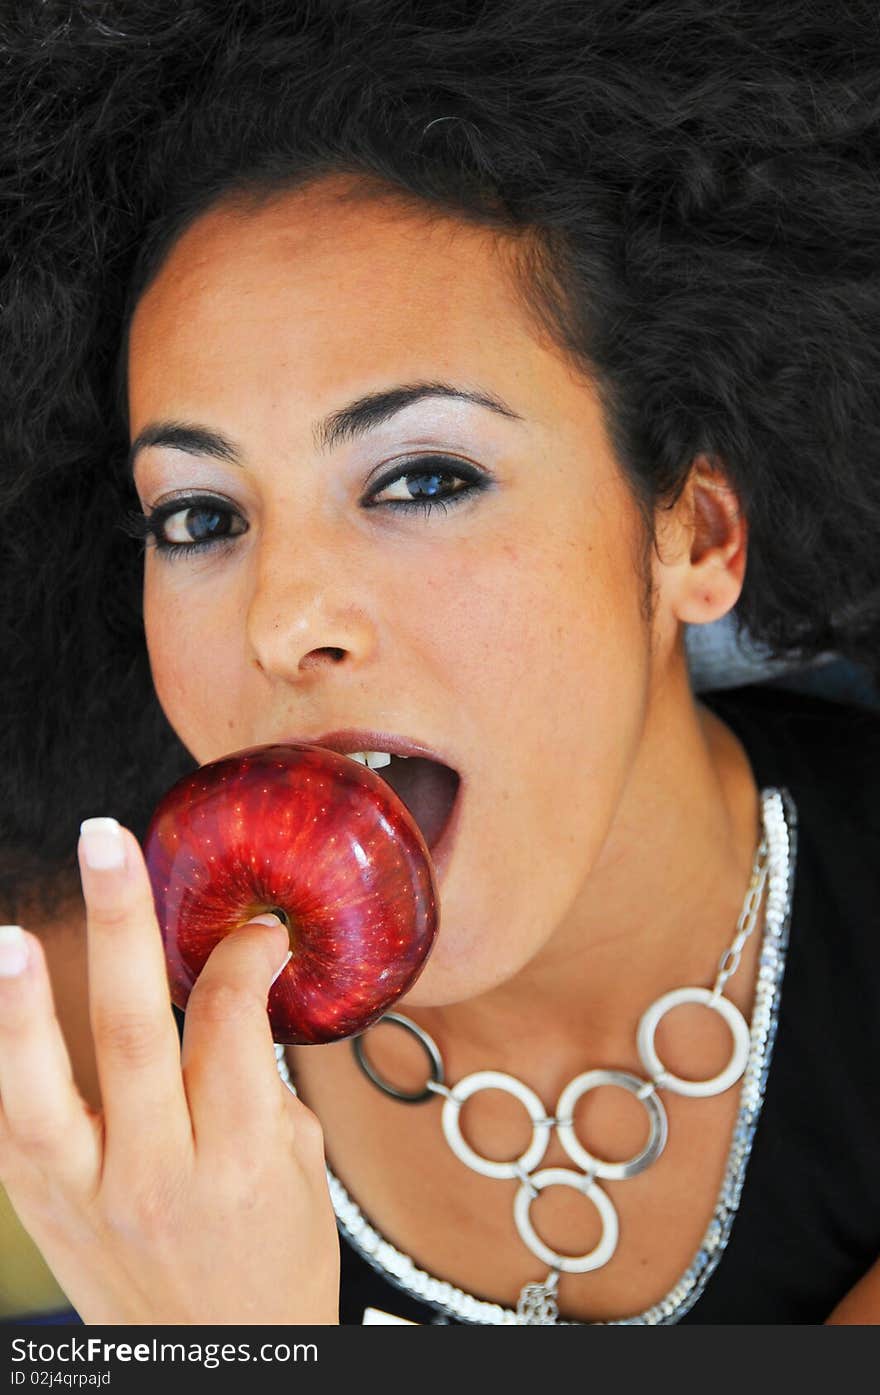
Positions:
(210, 520)
(429, 472)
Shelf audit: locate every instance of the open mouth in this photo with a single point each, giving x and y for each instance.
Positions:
(428, 789)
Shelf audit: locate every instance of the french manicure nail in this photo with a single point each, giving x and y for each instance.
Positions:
(103, 846)
(269, 918)
(283, 966)
(13, 951)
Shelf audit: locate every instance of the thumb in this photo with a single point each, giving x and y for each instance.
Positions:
(228, 1056)
(269, 918)
(253, 954)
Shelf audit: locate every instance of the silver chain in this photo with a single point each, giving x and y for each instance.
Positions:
(729, 961)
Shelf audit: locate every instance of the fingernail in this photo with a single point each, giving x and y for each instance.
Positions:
(287, 960)
(13, 951)
(102, 842)
(269, 918)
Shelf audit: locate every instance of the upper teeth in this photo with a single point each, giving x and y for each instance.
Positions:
(373, 759)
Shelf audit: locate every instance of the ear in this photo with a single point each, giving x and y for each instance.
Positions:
(707, 563)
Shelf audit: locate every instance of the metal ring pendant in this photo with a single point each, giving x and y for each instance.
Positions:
(435, 1061)
(495, 1080)
(569, 1264)
(642, 1089)
(654, 1066)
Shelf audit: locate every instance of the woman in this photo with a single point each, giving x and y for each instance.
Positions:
(460, 367)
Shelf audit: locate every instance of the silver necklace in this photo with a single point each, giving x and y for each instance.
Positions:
(537, 1301)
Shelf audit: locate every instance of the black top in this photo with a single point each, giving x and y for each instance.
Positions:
(808, 1222)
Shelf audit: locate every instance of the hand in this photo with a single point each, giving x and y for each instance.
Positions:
(198, 1193)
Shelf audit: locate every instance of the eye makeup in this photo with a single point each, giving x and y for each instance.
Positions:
(207, 512)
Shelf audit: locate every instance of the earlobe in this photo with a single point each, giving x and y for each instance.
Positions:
(713, 577)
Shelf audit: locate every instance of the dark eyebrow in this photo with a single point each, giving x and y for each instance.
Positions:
(349, 422)
(365, 413)
(194, 440)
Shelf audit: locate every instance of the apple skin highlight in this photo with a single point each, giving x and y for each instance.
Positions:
(321, 840)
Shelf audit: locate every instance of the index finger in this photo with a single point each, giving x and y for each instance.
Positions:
(137, 1048)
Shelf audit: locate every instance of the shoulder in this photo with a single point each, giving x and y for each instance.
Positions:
(826, 753)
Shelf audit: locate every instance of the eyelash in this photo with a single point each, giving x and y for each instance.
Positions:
(146, 526)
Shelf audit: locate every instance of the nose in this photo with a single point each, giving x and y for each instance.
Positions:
(307, 614)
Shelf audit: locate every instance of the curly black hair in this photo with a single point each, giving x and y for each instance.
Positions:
(694, 193)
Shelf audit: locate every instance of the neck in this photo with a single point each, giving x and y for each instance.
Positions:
(658, 910)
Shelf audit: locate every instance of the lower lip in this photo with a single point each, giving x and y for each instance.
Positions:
(441, 853)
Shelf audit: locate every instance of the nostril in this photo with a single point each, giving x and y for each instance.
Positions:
(318, 656)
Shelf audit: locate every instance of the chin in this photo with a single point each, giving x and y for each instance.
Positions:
(456, 972)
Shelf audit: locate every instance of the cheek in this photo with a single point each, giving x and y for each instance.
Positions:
(545, 643)
(547, 662)
(191, 638)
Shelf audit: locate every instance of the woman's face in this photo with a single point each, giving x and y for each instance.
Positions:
(505, 630)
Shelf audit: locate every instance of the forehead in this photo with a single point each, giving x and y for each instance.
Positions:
(316, 284)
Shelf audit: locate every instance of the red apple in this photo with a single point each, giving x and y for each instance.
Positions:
(324, 842)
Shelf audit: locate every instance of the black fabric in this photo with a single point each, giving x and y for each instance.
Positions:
(808, 1223)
